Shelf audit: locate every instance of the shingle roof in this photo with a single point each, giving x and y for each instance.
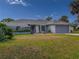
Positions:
(23, 22)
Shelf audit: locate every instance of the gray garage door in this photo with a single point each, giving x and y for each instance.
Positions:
(62, 29)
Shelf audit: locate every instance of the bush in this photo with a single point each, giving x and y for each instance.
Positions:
(5, 32)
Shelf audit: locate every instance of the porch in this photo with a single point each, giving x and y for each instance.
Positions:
(40, 28)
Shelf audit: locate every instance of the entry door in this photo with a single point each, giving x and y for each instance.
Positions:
(33, 28)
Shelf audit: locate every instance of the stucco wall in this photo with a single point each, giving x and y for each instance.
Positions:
(37, 29)
(71, 28)
(52, 28)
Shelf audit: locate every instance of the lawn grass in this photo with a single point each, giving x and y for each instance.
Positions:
(75, 31)
(41, 46)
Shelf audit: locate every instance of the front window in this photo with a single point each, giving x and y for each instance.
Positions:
(43, 28)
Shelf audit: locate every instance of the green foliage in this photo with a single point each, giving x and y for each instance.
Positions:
(27, 30)
(24, 29)
(49, 31)
(5, 32)
(74, 7)
(74, 25)
(64, 19)
(7, 20)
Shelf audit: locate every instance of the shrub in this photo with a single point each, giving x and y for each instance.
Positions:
(5, 32)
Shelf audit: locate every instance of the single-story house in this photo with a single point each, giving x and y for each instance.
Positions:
(40, 26)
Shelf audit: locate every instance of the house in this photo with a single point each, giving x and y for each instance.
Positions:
(40, 26)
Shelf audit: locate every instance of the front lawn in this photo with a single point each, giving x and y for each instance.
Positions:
(41, 46)
(76, 31)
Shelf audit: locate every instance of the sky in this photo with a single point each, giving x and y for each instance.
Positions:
(35, 9)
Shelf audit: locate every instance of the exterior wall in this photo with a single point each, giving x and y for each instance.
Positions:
(70, 29)
(37, 29)
(52, 28)
(13, 27)
(40, 28)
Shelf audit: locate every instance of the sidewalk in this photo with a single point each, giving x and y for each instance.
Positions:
(73, 34)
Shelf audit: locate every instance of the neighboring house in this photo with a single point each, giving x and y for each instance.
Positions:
(41, 26)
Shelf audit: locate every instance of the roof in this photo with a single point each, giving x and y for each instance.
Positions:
(23, 22)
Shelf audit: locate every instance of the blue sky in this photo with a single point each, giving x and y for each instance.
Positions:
(24, 9)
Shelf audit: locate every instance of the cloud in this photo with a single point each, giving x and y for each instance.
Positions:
(55, 15)
(38, 16)
(18, 2)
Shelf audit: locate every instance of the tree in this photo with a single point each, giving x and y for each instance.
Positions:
(5, 32)
(74, 7)
(74, 25)
(64, 19)
(49, 18)
(7, 20)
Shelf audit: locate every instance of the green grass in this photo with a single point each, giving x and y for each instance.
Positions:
(48, 46)
(77, 31)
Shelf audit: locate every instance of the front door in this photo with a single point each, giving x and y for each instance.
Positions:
(33, 30)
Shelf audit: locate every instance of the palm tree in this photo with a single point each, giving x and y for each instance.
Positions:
(64, 19)
(74, 7)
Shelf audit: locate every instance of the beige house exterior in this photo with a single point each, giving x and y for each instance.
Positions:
(41, 26)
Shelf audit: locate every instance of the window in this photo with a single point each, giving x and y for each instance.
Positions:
(43, 28)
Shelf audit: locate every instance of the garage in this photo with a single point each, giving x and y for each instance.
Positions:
(62, 28)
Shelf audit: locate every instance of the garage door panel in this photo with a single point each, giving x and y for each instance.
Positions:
(62, 28)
